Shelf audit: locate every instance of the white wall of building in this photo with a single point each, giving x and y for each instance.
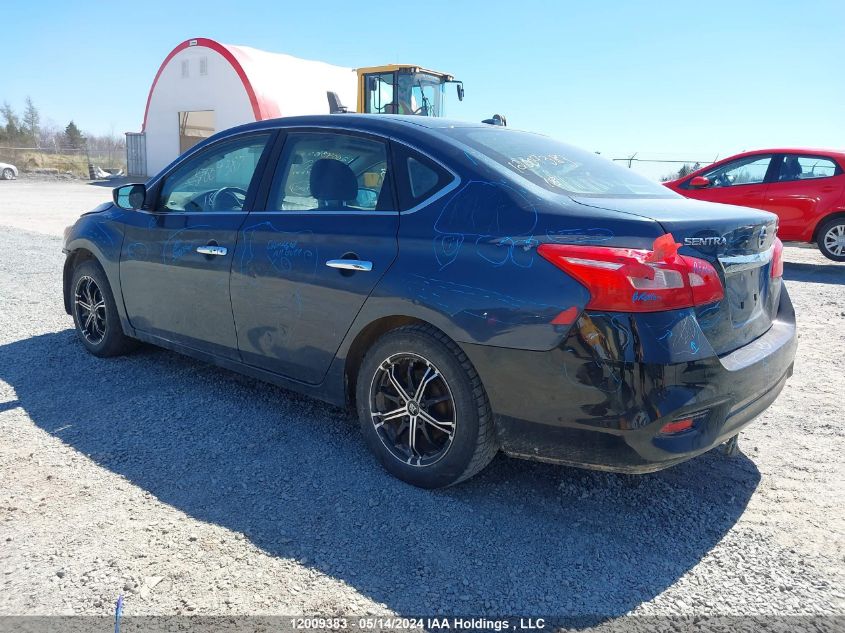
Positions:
(220, 90)
(297, 86)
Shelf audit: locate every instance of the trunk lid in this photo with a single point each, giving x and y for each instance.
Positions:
(738, 241)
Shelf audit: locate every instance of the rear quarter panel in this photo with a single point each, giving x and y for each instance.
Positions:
(468, 261)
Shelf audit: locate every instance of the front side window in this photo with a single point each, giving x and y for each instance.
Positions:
(556, 166)
(331, 172)
(216, 179)
(750, 170)
(792, 167)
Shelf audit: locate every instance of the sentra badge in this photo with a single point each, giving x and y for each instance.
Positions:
(705, 241)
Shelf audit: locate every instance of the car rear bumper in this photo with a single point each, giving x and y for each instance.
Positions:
(596, 402)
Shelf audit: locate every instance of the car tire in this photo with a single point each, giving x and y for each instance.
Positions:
(8, 174)
(99, 329)
(416, 381)
(831, 239)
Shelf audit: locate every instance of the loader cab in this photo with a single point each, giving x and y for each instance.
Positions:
(404, 89)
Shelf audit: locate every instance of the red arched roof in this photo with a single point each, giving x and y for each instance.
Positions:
(262, 107)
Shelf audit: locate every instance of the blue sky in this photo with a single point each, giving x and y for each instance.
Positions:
(687, 80)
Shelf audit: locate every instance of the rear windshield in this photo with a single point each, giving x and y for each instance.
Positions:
(559, 167)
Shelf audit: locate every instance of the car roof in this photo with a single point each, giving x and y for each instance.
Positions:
(376, 123)
(815, 151)
(363, 121)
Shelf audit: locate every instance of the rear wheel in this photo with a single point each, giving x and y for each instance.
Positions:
(422, 408)
(831, 239)
(8, 174)
(95, 313)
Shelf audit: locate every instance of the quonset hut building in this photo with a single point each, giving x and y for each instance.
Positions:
(203, 87)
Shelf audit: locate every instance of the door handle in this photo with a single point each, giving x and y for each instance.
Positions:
(350, 264)
(212, 249)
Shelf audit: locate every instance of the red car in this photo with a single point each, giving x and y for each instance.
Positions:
(804, 187)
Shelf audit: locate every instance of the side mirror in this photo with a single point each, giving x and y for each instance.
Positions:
(372, 84)
(699, 181)
(130, 197)
(460, 92)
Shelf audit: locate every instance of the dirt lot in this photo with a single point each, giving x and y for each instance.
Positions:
(189, 489)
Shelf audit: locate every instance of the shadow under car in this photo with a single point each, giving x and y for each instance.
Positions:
(294, 476)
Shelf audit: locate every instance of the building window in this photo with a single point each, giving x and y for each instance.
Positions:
(185, 69)
(203, 66)
(194, 127)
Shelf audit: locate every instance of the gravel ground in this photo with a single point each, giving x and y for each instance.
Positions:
(190, 489)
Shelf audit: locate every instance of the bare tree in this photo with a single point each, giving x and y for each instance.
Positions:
(31, 121)
(685, 170)
(49, 135)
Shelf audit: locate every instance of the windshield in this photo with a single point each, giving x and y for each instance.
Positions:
(558, 167)
(421, 93)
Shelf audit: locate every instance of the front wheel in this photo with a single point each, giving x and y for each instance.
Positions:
(423, 409)
(95, 313)
(831, 239)
(8, 174)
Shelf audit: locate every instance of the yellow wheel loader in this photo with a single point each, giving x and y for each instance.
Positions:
(403, 89)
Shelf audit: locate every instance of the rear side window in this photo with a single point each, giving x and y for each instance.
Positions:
(419, 178)
(331, 172)
(792, 167)
(423, 178)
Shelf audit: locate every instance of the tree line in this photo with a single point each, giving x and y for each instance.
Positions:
(28, 129)
(685, 170)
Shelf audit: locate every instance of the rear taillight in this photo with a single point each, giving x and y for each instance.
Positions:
(687, 423)
(777, 259)
(638, 280)
(678, 426)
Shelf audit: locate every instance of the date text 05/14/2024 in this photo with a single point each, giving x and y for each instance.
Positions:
(428, 623)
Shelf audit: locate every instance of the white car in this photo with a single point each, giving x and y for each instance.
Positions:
(8, 172)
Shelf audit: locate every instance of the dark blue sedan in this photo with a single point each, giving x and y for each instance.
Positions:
(468, 288)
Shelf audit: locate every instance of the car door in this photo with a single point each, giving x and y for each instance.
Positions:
(804, 188)
(741, 182)
(176, 256)
(309, 258)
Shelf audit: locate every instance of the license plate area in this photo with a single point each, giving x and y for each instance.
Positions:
(744, 292)
(746, 284)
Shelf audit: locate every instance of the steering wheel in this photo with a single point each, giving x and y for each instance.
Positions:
(226, 199)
